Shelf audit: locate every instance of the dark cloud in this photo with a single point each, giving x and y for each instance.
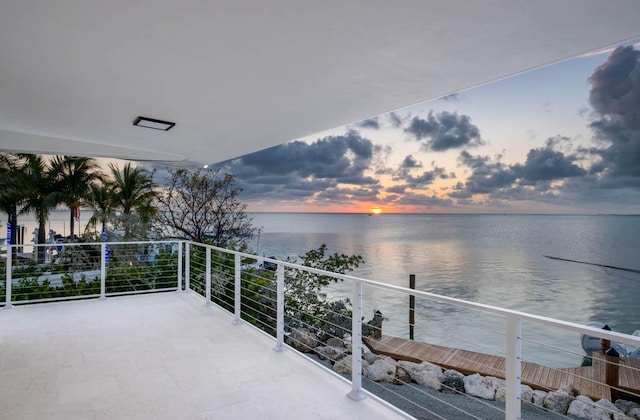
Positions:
(453, 97)
(298, 170)
(548, 164)
(615, 98)
(423, 200)
(444, 131)
(532, 180)
(371, 123)
(395, 120)
(410, 162)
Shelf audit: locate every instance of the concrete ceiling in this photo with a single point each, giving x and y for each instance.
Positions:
(238, 76)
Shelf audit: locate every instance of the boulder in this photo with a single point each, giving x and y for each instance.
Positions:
(402, 376)
(538, 398)
(557, 402)
(343, 366)
(526, 393)
(335, 342)
(383, 370)
(331, 353)
(370, 357)
(302, 340)
(610, 409)
(453, 382)
(582, 407)
(414, 368)
(626, 406)
(478, 386)
(634, 413)
(429, 378)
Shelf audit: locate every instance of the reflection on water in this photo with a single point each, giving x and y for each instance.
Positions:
(492, 259)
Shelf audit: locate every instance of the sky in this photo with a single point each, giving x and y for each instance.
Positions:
(561, 139)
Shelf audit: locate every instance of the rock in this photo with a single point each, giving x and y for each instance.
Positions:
(343, 366)
(570, 390)
(383, 370)
(538, 398)
(557, 401)
(477, 386)
(526, 393)
(581, 407)
(371, 357)
(453, 382)
(429, 378)
(610, 409)
(331, 353)
(626, 406)
(402, 376)
(414, 368)
(634, 413)
(335, 342)
(302, 340)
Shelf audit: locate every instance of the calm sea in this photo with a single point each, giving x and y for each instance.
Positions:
(493, 259)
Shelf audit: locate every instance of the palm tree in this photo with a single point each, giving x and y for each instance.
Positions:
(11, 192)
(101, 202)
(74, 175)
(133, 190)
(41, 194)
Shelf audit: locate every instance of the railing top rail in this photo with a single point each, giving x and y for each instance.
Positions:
(572, 326)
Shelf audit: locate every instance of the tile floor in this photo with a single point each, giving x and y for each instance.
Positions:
(158, 356)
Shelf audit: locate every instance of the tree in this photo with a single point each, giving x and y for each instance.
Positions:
(11, 192)
(99, 200)
(74, 175)
(132, 190)
(41, 194)
(203, 207)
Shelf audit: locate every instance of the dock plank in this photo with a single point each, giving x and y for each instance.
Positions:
(589, 380)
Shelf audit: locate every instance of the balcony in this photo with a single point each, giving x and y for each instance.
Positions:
(186, 330)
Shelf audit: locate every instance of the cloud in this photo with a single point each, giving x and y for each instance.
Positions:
(299, 170)
(371, 123)
(395, 120)
(531, 180)
(444, 131)
(615, 98)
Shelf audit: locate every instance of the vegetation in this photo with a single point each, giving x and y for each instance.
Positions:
(203, 206)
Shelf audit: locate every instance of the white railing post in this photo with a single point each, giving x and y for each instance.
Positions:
(103, 271)
(356, 343)
(8, 278)
(237, 291)
(179, 285)
(513, 365)
(207, 283)
(280, 308)
(187, 269)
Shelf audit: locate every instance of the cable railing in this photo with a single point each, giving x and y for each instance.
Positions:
(467, 360)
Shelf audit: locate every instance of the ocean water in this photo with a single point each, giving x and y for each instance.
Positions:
(492, 259)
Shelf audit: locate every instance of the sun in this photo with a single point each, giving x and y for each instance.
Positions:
(376, 210)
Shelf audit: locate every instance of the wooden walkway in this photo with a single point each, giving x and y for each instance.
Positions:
(589, 380)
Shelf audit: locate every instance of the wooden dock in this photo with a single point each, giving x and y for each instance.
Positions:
(589, 380)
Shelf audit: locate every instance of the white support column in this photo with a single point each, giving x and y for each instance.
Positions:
(207, 292)
(103, 271)
(187, 269)
(356, 343)
(237, 292)
(513, 365)
(9, 278)
(280, 308)
(179, 285)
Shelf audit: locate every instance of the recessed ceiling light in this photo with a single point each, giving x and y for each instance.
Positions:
(153, 123)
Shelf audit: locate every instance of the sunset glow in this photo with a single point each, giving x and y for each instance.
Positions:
(376, 210)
